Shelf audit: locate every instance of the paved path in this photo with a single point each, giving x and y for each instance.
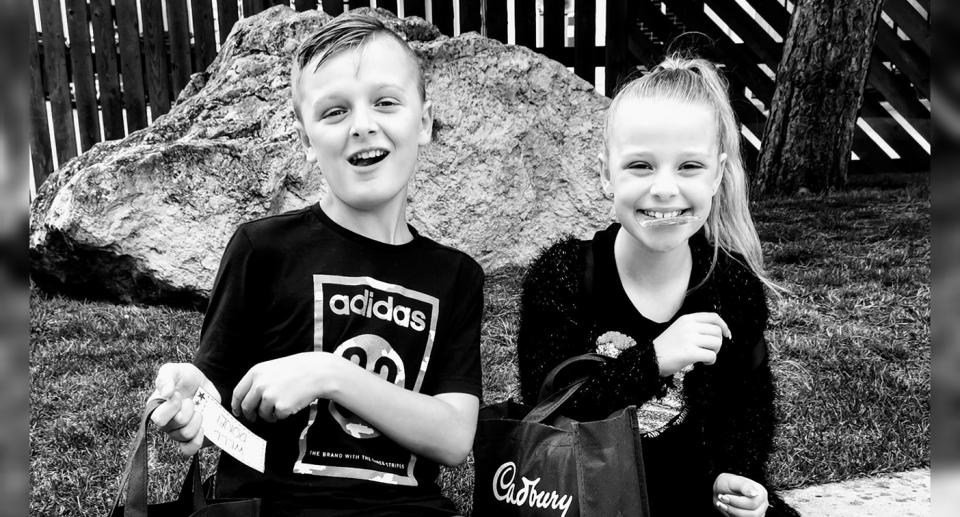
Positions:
(904, 494)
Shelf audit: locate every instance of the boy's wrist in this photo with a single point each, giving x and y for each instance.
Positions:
(326, 381)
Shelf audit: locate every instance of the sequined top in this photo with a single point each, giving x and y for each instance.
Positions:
(724, 412)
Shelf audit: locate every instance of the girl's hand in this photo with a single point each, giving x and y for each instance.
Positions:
(693, 338)
(176, 384)
(737, 496)
(274, 390)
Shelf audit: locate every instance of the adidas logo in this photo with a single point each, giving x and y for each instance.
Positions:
(367, 306)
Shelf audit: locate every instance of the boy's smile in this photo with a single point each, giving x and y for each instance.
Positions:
(363, 122)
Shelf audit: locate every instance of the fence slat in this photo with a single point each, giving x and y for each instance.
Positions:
(890, 131)
(204, 38)
(107, 69)
(913, 64)
(443, 15)
(181, 64)
(40, 153)
(871, 155)
(761, 44)
(58, 81)
(747, 112)
(228, 13)
(900, 95)
(131, 65)
(616, 45)
(495, 20)
(584, 37)
(470, 16)
(253, 7)
(158, 71)
(304, 5)
(910, 21)
(525, 23)
(84, 88)
(414, 8)
(333, 7)
(554, 29)
(925, 4)
(774, 14)
(390, 5)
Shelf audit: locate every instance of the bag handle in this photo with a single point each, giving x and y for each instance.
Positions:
(552, 398)
(135, 477)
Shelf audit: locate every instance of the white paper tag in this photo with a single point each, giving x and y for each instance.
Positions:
(226, 432)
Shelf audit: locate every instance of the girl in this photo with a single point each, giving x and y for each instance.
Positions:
(675, 292)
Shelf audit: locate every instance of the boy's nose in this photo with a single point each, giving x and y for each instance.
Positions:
(363, 124)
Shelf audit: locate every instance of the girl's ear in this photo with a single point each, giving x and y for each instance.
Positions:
(311, 155)
(721, 167)
(604, 174)
(425, 135)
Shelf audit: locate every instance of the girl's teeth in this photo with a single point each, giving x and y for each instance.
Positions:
(662, 215)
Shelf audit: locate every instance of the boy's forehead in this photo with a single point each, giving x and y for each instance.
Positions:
(376, 51)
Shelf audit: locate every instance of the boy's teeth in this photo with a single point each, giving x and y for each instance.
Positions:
(367, 155)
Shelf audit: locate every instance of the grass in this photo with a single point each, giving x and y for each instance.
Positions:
(850, 350)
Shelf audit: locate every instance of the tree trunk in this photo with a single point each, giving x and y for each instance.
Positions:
(823, 70)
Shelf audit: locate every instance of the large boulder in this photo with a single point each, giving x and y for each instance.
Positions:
(512, 166)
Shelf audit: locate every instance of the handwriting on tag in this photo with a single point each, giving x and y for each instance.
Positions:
(226, 432)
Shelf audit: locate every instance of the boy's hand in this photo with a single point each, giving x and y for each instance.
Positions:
(176, 384)
(737, 496)
(693, 338)
(274, 390)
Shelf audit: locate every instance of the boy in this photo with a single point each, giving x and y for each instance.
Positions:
(344, 338)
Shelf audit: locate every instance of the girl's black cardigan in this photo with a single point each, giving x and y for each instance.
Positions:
(729, 424)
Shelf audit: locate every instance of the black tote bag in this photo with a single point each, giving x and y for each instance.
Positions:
(190, 503)
(534, 462)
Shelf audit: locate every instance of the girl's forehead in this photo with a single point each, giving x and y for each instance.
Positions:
(663, 127)
(658, 119)
(662, 107)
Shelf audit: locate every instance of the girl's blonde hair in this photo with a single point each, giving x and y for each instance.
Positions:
(729, 226)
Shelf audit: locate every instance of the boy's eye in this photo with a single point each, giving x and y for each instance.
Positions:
(332, 113)
(387, 102)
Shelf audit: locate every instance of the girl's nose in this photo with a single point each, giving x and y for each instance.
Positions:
(664, 185)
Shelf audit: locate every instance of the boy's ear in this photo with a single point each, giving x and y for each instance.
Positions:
(604, 169)
(426, 124)
(311, 155)
(721, 166)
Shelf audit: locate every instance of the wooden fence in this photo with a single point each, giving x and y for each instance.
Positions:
(115, 65)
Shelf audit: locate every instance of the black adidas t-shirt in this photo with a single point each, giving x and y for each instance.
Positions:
(410, 313)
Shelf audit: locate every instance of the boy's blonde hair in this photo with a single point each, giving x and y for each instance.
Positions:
(346, 32)
(729, 226)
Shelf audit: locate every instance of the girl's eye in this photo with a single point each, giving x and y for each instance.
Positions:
(639, 166)
(691, 167)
